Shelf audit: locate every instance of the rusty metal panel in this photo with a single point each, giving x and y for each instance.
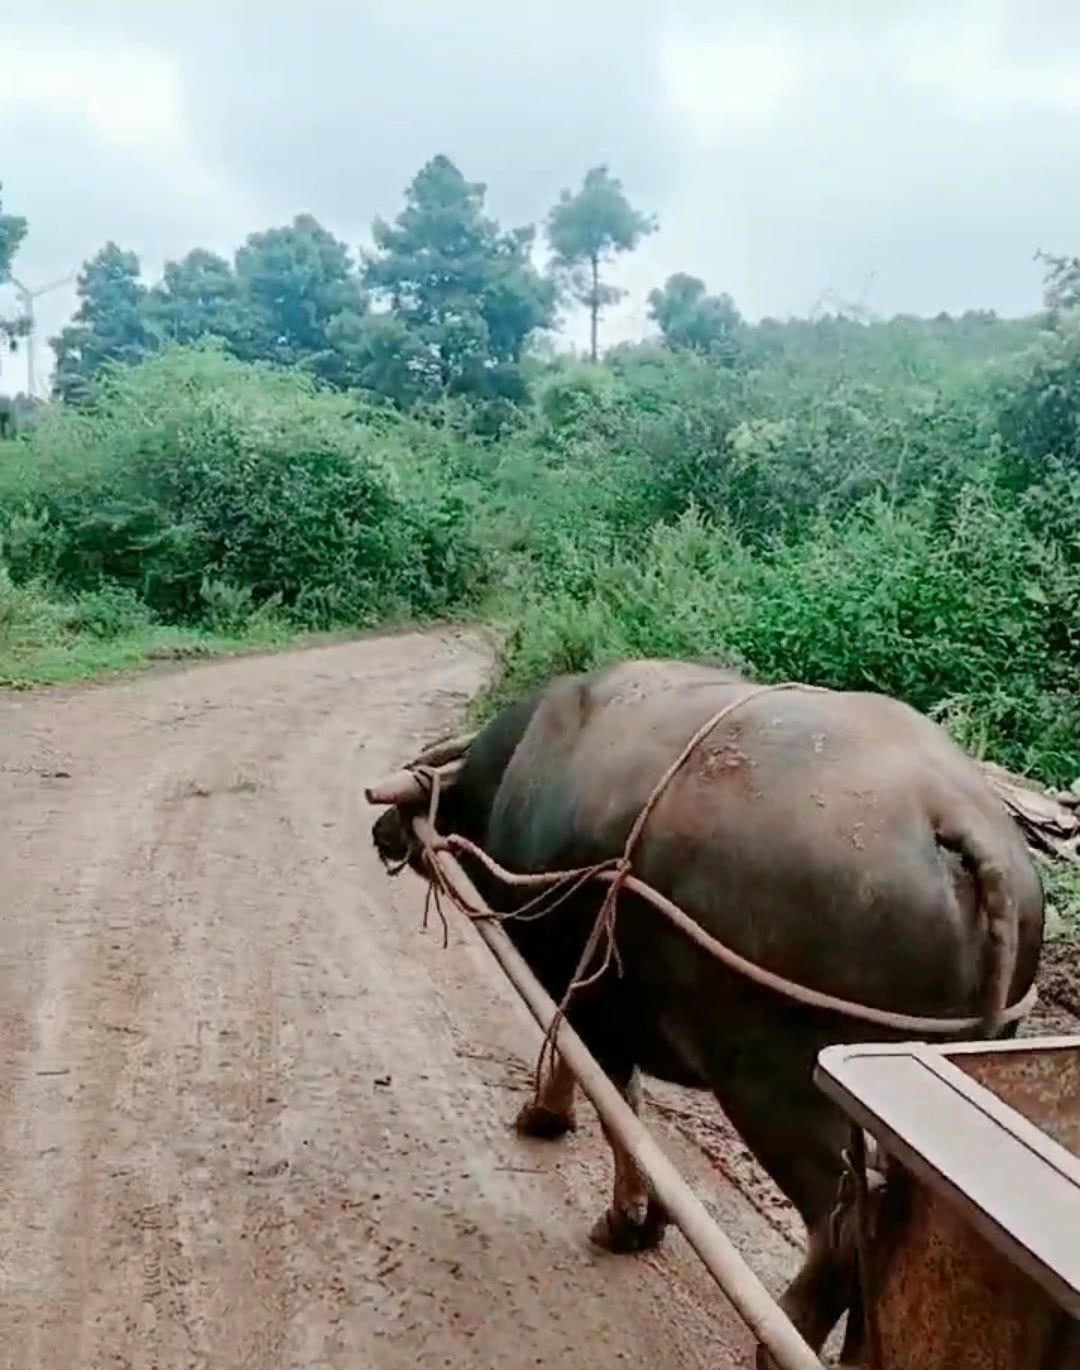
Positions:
(947, 1300)
(1041, 1080)
(1009, 1179)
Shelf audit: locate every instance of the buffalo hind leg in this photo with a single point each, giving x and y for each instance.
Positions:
(828, 1283)
(819, 1294)
(636, 1220)
(551, 1113)
(798, 1137)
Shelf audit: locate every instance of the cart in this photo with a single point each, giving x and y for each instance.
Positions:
(973, 1255)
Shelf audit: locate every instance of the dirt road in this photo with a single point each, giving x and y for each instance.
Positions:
(250, 1116)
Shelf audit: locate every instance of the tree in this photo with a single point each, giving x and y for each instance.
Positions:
(109, 324)
(588, 229)
(12, 232)
(293, 280)
(466, 292)
(197, 296)
(691, 320)
(1061, 281)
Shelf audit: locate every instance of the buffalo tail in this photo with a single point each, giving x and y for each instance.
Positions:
(1001, 919)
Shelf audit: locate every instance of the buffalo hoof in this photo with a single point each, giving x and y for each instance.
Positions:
(535, 1120)
(621, 1232)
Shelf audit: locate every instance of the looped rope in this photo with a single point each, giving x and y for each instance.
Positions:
(621, 869)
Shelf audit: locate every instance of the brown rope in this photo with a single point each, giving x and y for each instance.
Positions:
(558, 886)
(790, 989)
(619, 871)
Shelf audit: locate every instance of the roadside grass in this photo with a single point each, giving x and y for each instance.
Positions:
(46, 640)
(49, 640)
(72, 658)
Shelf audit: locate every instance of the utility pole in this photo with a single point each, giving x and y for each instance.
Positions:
(26, 299)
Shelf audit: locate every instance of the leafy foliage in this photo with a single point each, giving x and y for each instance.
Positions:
(308, 444)
(293, 280)
(463, 295)
(197, 297)
(110, 322)
(197, 472)
(689, 318)
(1061, 284)
(460, 302)
(12, 232)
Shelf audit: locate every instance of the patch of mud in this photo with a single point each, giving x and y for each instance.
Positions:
(1058, 1011)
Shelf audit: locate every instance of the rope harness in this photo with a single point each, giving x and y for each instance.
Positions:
(556, 887)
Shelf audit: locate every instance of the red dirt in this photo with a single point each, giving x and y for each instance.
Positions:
(249, 1115)
(1058, 1009)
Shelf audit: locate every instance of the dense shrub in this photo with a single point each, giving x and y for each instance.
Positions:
(893, 507)
(975, 621)
(196, 471)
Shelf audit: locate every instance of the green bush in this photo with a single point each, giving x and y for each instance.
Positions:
(195, 470)
(963, 620)
(110, 612)
(893, 506)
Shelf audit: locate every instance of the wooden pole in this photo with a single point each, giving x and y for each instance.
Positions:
(761, 1313)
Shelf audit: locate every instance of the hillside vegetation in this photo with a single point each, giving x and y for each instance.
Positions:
(886, 505)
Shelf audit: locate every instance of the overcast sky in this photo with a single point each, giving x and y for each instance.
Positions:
(909, 155)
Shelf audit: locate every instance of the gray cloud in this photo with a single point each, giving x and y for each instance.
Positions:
(921, 158)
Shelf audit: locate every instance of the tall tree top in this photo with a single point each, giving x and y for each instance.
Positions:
(443, 214)
(1061, 280)
(294, 279)
(196, 296)
(302, 256)
(585, 229)
(596, 221)
(466, 287)
(12, 232)
(109, 324)
(690, 318)
(109, 283)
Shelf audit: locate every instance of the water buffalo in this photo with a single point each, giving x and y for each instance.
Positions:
(841, 840)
